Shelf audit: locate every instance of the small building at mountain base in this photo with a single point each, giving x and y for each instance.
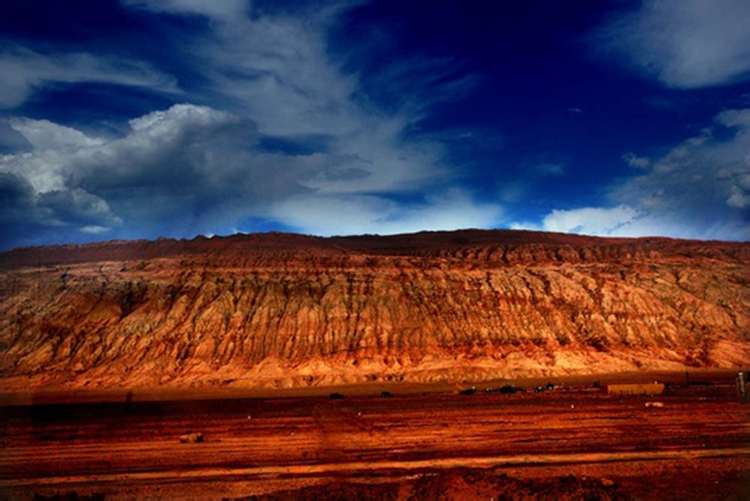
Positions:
(636, 389)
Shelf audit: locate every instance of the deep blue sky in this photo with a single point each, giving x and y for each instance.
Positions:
(147, 118)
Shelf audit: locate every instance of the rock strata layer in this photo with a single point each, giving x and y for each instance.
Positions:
(282, 310)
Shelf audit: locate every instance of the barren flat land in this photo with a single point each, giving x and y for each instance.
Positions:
(571, 442)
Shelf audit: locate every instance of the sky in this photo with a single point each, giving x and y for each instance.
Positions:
(139, 119)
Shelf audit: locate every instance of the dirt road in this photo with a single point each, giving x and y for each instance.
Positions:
(692, 447)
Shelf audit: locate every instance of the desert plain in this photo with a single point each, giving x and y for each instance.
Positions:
(571, 442)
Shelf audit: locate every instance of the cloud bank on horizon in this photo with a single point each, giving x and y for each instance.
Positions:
(146, 118)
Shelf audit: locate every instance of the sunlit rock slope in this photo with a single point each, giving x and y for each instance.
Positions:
(280, 310)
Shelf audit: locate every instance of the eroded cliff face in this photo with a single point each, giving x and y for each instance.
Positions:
(285, 310)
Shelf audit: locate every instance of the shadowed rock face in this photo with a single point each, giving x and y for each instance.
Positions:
(289, 310)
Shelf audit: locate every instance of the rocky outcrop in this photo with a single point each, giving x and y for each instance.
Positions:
(290, 310)
(191, 437)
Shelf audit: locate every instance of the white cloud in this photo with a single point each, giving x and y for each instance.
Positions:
(23, 71)
(277, 70)
(687, 43)
(192, 169)
(627, 221)
(44, 135)
(699, 189)
(698, 177)
(72, 179)
(359, 214)
(735, 118)
(589, 221)
(217, 9)
(739, 197)
(635, 161)
(95, 230)
(64, 158)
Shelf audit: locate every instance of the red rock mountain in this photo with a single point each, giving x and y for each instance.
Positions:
(281, 310)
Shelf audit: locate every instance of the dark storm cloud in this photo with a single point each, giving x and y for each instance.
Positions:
(16, 195)
(194, 168)
(297, 143)
(195, 158)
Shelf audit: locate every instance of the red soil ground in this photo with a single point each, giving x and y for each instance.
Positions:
(562, 444)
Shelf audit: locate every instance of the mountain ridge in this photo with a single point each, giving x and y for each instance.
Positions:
(163, 247)
(285, 310)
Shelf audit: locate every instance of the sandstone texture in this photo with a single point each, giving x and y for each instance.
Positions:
(282, 310)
